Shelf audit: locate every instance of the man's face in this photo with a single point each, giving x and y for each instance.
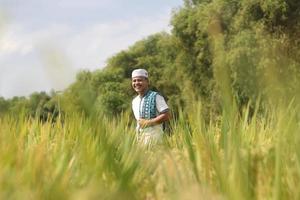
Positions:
(140, 84)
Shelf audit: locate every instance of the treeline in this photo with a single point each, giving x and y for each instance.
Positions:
(219, 52)
(38, 105)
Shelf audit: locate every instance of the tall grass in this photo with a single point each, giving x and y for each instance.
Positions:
(98, 158)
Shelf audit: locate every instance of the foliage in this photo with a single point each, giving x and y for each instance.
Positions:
(98, 158)
(218, 52)
(230, 71)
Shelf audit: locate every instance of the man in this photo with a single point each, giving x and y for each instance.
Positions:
(150, 109)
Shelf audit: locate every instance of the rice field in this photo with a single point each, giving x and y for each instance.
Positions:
(233, 157)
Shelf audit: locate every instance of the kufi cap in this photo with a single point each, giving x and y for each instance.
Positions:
(139, 72)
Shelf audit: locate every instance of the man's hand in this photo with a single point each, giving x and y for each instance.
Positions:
(157, 120)
(145, 123)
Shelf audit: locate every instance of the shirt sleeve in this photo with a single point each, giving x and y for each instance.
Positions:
(135, 107)
(161, 104)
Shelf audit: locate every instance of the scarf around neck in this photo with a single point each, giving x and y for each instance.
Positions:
(148, 110)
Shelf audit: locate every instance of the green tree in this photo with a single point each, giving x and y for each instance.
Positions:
(4, 106)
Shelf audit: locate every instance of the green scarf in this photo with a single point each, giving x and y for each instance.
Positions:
(149, 105)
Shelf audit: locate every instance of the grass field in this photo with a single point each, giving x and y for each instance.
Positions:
(234, 157)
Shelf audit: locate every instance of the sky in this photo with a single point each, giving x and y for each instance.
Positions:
(44, 43)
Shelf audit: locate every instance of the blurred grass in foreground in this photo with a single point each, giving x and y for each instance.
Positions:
(97, 158)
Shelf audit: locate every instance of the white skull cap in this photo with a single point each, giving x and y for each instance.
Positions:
(139, 72)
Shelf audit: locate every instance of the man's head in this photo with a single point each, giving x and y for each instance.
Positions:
(140, 82)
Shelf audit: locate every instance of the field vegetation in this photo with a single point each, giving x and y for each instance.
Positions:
(230, 72)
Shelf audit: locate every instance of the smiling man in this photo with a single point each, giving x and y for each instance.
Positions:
(150, 109)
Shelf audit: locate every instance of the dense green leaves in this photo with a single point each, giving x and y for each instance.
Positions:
(245, 50)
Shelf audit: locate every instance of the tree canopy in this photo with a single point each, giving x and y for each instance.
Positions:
(217, 51)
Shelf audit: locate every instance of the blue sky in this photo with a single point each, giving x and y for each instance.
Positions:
(43, 43)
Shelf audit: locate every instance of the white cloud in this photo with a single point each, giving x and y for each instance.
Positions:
(23, 64)
(91, 47)
(84, 4)
(14, 41)
(23, 81)
(49, 58)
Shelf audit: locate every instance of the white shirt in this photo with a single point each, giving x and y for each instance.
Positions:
(161, 106)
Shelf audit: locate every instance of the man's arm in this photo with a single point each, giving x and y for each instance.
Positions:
(162, 117)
